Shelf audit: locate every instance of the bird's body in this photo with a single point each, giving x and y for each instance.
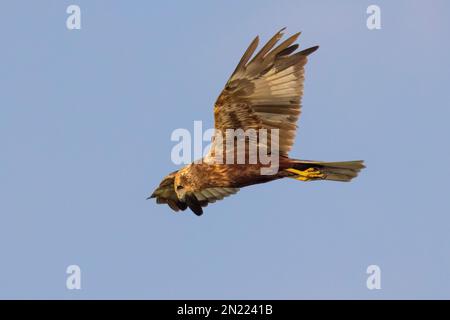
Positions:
(204, 175)
(263, 95)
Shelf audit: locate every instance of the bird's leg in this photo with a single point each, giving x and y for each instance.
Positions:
(307, 175)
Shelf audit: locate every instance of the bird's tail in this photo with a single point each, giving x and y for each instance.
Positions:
(305, 170)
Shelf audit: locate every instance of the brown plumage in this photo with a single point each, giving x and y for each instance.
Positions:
(262, 93)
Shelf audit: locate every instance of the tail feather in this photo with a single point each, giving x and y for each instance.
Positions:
(318, 170)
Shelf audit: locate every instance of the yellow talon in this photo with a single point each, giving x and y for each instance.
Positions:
(306, 175)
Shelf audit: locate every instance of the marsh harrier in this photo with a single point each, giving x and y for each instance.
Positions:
(263, 92)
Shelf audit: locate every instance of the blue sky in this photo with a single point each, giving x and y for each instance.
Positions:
(85, 124)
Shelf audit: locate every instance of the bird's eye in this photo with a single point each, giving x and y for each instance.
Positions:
(179, 187)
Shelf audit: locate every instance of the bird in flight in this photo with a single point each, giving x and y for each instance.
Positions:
(263, 93)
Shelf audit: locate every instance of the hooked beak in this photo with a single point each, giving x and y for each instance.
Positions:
(152, 196)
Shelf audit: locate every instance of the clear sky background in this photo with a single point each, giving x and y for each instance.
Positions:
(85, 124)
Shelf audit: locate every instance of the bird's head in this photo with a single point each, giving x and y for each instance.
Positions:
(181, 184)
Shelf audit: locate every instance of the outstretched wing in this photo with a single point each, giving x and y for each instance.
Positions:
(265, 92)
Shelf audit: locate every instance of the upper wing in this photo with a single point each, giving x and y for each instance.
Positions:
(266, 92)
